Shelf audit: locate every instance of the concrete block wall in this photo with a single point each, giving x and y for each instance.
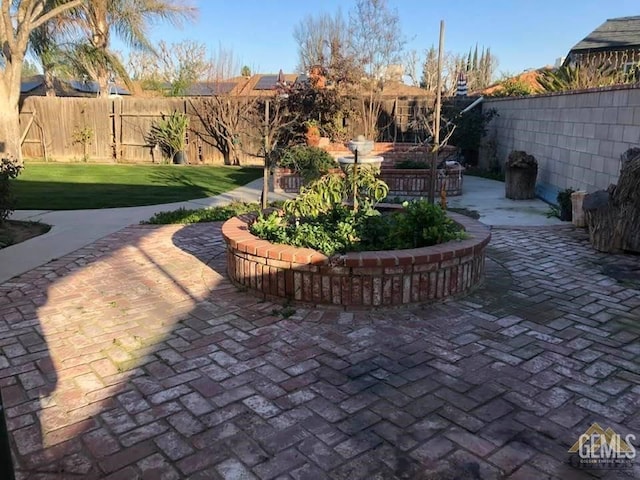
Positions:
(576, 137)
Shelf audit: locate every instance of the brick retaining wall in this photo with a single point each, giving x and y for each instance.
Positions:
(412, 183)
(355, 280)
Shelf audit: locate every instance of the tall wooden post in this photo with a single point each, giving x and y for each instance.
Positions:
(265, 173)
(436, 129)
(355, 180)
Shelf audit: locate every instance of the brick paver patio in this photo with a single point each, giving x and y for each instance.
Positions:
(136, 358)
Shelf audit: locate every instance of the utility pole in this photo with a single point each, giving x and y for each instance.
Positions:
(436, 129)
(265, 173)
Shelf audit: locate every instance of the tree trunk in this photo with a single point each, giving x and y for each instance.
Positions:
(9, 130)
(626, 197)
(602, 218)
(103, 83)
(100, 40)
(613, 215)
(49, 87)
(226, 156)
(9, 113)
(520, 183)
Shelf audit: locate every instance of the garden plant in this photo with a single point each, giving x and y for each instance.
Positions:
(320, 218)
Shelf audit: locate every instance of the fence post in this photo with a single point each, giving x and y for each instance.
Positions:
(116, 126)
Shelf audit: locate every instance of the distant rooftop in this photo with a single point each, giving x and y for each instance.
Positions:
(615, 33)
(65, 88)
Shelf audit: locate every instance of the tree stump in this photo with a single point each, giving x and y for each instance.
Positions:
(521, 171)
(613, 215)
(602, 219)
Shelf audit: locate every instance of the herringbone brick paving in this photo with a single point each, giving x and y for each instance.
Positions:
(136, 358)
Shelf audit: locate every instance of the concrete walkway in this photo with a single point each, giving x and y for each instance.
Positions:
(73, 229)
(487, 198)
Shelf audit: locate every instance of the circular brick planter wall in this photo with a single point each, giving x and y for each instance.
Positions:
(356, 280)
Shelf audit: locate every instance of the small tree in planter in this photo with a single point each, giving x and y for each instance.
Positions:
(309, 162)
(170, 134)
(312, 134)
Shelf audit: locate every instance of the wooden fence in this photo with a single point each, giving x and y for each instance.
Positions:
(120, 125)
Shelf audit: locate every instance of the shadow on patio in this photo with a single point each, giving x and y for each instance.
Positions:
(160, 368)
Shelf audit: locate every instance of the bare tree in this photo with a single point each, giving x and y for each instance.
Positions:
(452, 64)
(269, 127)
(18, 19)
(172, 67)
(224, 118)
(376, 44)
(321, 40)
(411, 68)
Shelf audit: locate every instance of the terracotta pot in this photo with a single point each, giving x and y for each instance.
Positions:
(313, 136)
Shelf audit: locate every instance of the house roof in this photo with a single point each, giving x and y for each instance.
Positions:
(260, 85)
(205, 89)
(64, 88)
(529, 78)
(394, 88)
(265, 84)
(615, 33)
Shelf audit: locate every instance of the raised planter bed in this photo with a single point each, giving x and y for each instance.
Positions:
(405, 183)
(289, 181)
(415, 183)
(357, 280)
(402, 183)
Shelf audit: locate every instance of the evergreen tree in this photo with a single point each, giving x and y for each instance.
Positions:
(430, 70)
(475, 59)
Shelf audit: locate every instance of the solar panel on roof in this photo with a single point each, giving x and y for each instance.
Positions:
(30, 85)
(118, 90)
(267, 82)
(85, 87)
(93, 87)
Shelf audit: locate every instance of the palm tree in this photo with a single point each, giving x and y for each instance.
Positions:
(18, 18)
(96, 20)
(45, 43)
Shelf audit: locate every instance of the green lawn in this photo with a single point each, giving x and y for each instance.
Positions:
(73, 186)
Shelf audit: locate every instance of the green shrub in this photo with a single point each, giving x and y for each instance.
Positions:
(491, 174)
(10, 168)
(170, 133)
(413, 164)
(310, 162)
(340, 229)
(214, 214)
(421, 224)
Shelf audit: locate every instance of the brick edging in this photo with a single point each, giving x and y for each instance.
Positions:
(356, 279)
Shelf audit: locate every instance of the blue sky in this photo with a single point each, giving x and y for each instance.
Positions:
(522, 34)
